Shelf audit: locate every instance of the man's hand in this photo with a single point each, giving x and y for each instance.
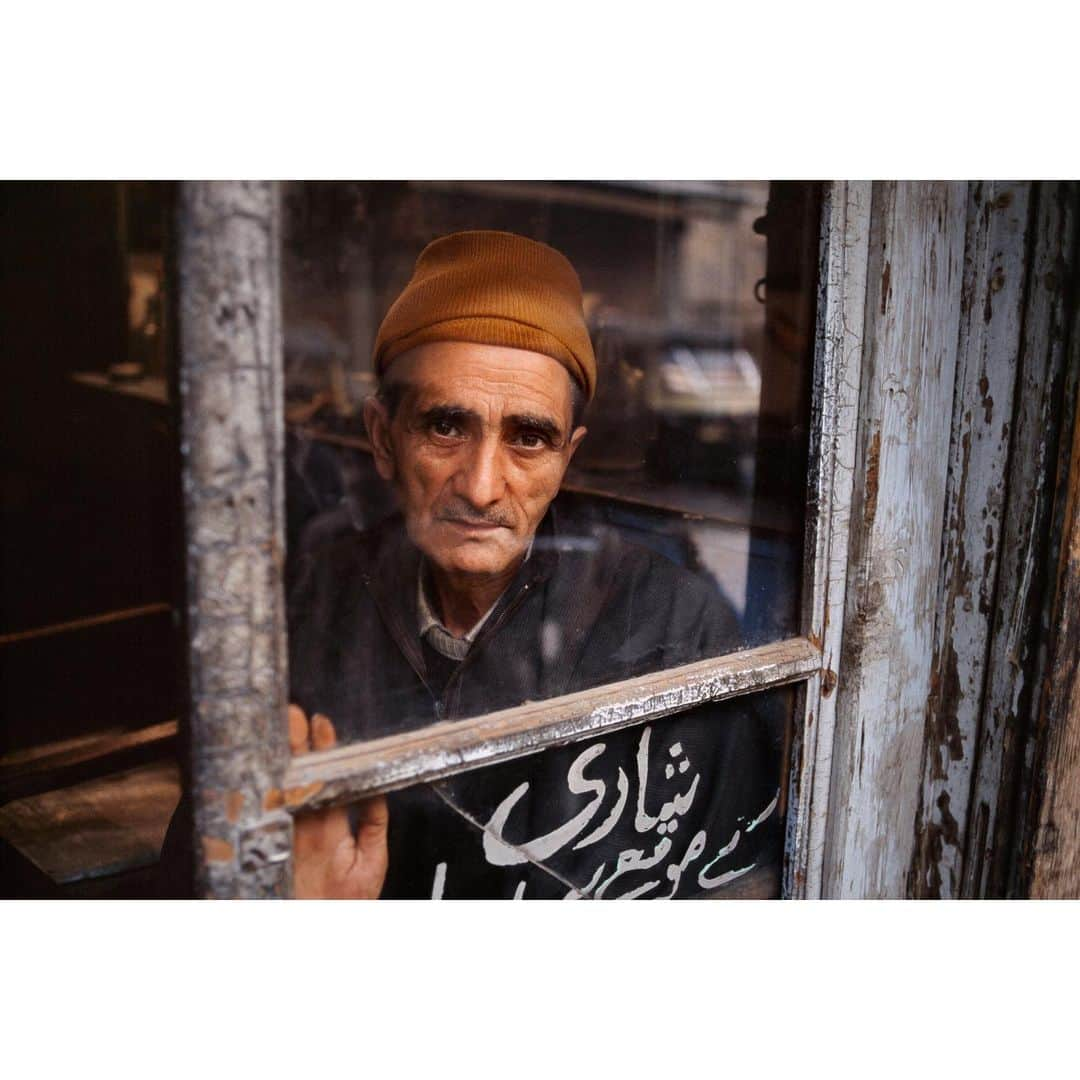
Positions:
(328, 861)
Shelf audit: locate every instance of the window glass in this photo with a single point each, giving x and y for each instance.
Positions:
(676, 530)
(684, 807)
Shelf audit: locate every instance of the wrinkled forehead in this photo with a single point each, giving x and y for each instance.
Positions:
(491, 380)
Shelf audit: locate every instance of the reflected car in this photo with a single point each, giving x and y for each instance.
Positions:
(705, 397)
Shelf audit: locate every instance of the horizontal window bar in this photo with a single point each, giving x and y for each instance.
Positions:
(59, 764)
(346, 773)
(87, 622)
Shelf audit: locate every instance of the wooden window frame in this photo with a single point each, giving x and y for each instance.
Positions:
(244, 784)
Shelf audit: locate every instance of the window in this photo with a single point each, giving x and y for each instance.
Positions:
(675, 768)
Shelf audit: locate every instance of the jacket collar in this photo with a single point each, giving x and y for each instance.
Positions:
(393, 569)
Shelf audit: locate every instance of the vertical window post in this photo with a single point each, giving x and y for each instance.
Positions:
(230, 380)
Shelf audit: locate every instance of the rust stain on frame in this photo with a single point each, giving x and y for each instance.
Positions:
(217, 850)
(234, 803)
(296, 795)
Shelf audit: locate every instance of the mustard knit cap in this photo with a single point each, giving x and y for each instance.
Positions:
(492, 288)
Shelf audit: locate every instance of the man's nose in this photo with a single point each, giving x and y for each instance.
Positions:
(481, 479)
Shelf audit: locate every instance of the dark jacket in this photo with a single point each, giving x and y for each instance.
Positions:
(666, 808)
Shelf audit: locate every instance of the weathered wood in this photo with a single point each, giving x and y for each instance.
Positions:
(99, 827)
(30, 772)
(995, 814)
(910, 338)
(153, 389)
(986, 371)
(833, 430)
(1055, 862)
(231, 399)
(88, 622)
(1052, 857)
(346, 773)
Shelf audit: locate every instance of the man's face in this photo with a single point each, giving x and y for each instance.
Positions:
(477, 450)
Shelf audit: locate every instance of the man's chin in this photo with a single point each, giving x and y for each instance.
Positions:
(484, 558)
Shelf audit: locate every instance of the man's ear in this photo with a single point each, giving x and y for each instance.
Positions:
(575, 441)
(377, 422)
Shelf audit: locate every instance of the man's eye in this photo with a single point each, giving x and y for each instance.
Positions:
(530, 440)
(444, 428)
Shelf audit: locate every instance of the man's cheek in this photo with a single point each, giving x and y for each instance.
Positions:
(544, 488)
(424, 487)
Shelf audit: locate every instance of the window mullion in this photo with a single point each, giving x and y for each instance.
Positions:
(833, 440)
(231, 406)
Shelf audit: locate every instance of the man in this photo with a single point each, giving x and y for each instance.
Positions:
(482, 594)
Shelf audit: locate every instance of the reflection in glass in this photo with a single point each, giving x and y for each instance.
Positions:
(678, 531)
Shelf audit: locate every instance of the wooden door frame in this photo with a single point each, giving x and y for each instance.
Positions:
(905, 269)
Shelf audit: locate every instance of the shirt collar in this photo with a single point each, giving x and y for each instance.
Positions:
(434, 631)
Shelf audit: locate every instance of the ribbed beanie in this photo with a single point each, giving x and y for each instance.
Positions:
(492, 288)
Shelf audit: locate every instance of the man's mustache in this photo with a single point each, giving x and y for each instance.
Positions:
(464, 513)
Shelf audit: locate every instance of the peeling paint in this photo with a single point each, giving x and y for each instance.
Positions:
(871, 481)
(987, 400)
(828, 682)
(995, 285)
(842, 311)
(939, 833)
(1001, 754)
(943, 730)
(1052, 852)
(989, 340)
(909, 378)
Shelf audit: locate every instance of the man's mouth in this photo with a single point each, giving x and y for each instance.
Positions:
(469, 525)
(470, 519)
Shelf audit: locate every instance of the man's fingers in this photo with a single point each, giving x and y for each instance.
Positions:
(330, 860)
(298, 731)
(373, 814)
(371, 846)
(323, 735)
